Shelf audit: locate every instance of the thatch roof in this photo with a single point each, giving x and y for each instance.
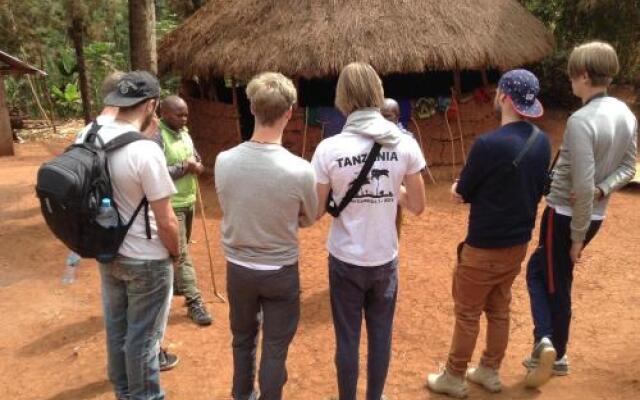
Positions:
(315, 38)
(13, 65)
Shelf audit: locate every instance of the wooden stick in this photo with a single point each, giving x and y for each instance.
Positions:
(453, 152)
(304, 134)
(206, 238)
(37, 98)
(422, 149)
(459, 121)
(234, 96)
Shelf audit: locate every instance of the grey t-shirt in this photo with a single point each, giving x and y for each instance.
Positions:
(265, 194)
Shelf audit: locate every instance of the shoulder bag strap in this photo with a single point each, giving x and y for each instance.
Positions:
(527, 146)
(357, 184)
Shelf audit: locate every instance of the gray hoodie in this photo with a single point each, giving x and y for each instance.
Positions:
(598, 150)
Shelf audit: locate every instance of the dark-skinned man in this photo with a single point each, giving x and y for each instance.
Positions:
(184, 166)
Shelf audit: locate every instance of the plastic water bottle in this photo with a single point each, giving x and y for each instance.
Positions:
(69, 274)
(107, 216)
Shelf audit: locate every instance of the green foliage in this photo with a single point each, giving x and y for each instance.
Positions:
(68, 101)
(37, 31)
(576, 21)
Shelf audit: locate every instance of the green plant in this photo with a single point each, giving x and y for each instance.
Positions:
(67, 99)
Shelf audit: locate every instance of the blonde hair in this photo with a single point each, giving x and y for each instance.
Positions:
(359, 86)
(271, 95)
(110, 83)
(598, 59)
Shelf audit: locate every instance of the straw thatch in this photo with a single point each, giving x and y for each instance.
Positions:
(315, 38)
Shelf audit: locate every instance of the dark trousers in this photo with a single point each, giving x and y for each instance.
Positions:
(277, 295)
(354, 289)
(549, 279)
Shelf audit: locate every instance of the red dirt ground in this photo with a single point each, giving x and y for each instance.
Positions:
(52, 338)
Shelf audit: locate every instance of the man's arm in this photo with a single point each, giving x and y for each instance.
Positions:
(167, 224)
(579, 143)
(412, 196)
(474, 171)
(322, 189)
(309, 201)
(625, 171)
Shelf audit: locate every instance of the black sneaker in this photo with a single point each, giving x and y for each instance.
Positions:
(167, 361)
(198, 313)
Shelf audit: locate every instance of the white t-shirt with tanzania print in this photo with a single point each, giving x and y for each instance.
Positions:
(365, 232)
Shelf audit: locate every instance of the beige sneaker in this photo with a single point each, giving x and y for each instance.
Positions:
(486, 377)
(540, 374)
(446, 383)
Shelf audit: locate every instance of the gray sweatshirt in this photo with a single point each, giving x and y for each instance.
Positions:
(598, 150)
(265, 193)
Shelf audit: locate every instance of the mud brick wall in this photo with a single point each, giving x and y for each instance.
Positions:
(214, 129)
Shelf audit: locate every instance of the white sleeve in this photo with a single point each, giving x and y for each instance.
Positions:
(319, 164)
(416, 161)
(153, 172)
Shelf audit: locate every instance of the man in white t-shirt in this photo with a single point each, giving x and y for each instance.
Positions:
(136, 286)
(363, 242)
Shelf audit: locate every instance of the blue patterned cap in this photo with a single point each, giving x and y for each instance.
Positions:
(522, 87)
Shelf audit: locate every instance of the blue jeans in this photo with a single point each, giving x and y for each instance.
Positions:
(354, 289)
(550, 277)
(136, 298)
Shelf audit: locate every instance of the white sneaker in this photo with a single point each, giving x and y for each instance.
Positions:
(486, 377)
(446, 383)
(540, 374)
(560, 367)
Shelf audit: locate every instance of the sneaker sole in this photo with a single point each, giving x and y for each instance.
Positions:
(488, 388)
(542, 373)
(554, 372)
(456, 395)
(169, 367)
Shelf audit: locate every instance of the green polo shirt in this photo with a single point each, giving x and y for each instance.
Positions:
(178, 147)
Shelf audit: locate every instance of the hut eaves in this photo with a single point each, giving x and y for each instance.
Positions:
(315, 38)
(10, 64)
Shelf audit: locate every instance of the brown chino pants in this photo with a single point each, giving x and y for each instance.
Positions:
(482, 282)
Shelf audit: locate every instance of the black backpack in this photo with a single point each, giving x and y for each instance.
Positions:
(71, 187)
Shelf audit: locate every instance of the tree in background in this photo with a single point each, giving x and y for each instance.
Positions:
(576, 21)
(142, 35)
(77, 13)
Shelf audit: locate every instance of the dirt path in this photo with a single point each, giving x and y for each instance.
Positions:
(52, 338)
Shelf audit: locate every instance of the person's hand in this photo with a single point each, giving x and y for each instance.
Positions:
(576, 251)
(598, 194)
(455, 196)
(197, 168)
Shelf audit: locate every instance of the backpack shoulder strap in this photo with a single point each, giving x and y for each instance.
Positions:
(527, 146)
(119, 142)
(357, 184)
(123, 140)
(92, 134)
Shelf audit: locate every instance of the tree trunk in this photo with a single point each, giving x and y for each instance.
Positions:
(6, 133)
(142, 35)
(77, 35)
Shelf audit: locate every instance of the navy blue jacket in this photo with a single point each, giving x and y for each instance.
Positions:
(504, 199)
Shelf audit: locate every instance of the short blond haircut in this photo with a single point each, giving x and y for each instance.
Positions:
(110, 83)
(359, 86)
(271, 94)
(598, 59)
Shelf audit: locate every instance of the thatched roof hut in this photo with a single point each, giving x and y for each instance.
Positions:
(315, 38)
(411, 43)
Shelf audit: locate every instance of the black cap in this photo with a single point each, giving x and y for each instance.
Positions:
(133, 88)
